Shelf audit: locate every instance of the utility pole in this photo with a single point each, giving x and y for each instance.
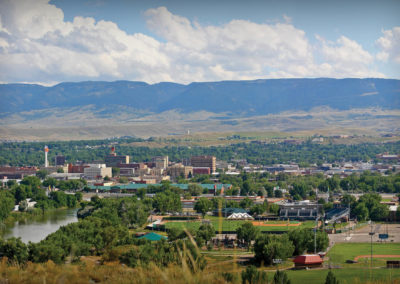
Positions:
(315, 233)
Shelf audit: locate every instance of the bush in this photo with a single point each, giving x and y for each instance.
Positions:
(252, 276)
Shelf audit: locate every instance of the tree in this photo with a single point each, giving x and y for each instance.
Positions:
(167, 201)
(49, 181)
(247, 232)
(348, 199)
(60, 170)
(274, 208)
(246, 203)
(203, 205)
(247, 188)
(278, 193)
(7, 203)
(204, 234)
(379, 212)
(14, 249)
(41, 174)
(31, 181)
(269, 247)
(258, 209)
(175, 234)
(280, 277)
(252, 276)
(361, 212)
(79, 196)
(195, 189)
(331, 279)
(302, 239)
(123, 180)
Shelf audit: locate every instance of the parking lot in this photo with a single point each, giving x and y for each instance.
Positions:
(361, 235)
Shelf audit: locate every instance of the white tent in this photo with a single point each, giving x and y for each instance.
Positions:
(240, 216)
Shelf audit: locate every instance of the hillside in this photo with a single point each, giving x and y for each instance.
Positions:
(104, 109)
(247, 97)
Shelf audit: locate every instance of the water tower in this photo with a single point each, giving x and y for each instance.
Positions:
(46, 162)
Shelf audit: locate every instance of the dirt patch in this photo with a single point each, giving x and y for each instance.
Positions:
(377, 256)
(275, 225)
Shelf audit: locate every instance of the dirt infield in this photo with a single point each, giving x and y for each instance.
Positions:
(255, 223)
(377, 256)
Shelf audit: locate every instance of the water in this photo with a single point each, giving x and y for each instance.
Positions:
(37, 228)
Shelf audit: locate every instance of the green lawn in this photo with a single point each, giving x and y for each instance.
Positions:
(345, 276)
(339, 253)
(232, 225)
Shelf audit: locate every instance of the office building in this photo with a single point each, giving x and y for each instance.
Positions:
(204, 161)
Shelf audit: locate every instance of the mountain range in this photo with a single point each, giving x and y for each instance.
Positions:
(258, 97)
(225, 105)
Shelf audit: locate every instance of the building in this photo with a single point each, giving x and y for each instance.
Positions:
(17, 172)
(201, 171)
(66, 176)
(179, 170)
(302, 210)
(112, 160)
(204, 161)
(59, 160)
(308, 260)
(75, 169)
(161, 162)
(97, 171)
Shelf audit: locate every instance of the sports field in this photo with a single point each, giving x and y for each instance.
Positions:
(339, 253)
(232, 225)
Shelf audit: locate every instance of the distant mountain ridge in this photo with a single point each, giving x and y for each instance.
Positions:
(257, 97)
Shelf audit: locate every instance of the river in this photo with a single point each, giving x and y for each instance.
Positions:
(37, 228)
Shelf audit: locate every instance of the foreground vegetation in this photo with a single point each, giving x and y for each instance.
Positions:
(112, 272)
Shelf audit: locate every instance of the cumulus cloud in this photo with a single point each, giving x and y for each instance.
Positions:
(347, 58)
(389, 44)
(40, 46)
(37, 44)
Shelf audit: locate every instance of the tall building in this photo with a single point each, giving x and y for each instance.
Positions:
(160, 161)
(97, 171)
(204, 161)
(112, 160)
(59, 160)
(180, 170)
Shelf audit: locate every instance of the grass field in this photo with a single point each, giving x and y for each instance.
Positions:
(232, 225)
(345, 276)
(339, 253)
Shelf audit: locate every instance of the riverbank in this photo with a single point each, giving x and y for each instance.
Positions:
(35, 225)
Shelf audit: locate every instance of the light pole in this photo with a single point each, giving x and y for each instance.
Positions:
(371, 234)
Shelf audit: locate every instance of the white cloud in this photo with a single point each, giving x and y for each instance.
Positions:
(41, 46)
(347, 58)
(37, 44)
(389, 44)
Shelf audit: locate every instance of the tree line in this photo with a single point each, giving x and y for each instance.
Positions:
(31, 153)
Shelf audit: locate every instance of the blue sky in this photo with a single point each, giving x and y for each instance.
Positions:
(185, 41)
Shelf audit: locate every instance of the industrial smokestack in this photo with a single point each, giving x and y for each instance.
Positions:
(46, 162)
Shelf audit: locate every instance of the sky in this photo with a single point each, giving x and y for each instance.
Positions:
(194, 41)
